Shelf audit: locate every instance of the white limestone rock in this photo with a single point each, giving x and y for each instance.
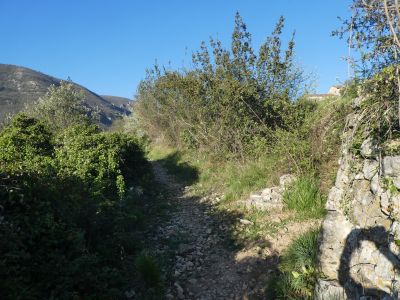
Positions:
(391, 166)
(369, 148)
(370, 168)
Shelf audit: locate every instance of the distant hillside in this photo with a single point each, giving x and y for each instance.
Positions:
(19, 85)
(120, 102)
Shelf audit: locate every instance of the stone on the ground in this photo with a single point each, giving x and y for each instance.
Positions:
(370, 168)
(179, 290)
(245, 222)
(286, 180)
(391, 166)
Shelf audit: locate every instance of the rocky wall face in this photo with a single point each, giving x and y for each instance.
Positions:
(360, 238)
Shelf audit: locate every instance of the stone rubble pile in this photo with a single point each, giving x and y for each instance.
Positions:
(270, 198)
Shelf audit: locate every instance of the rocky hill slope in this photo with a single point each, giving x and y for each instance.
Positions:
(19, 85)
(121, 102)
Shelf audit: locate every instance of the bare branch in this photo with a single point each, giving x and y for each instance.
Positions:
(390, 23)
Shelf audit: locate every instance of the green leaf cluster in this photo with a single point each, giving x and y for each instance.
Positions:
(304, 197)
(68, 210)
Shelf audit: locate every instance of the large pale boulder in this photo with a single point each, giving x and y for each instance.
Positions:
(391, 166)
(335, 230)
(370, 168)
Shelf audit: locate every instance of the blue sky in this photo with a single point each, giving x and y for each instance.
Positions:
(106, 46)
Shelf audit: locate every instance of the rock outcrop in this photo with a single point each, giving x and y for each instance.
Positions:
(360, 238)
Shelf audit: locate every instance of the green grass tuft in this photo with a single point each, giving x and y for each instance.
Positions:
(305, 198)
(298, 268)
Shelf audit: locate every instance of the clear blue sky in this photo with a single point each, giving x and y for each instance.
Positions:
(107, 45)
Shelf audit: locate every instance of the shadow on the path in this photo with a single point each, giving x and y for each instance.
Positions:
(182, 171)
(221, 274)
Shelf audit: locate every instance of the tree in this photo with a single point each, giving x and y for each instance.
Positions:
(370, 31)
(61, 107)
(374, 29)
(243, 55)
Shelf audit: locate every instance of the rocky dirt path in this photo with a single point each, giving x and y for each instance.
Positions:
(203, 265)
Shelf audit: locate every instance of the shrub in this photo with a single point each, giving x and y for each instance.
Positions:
(61, 107)
(230, 102)
(68, 213)
(24, 140)
(381, 115)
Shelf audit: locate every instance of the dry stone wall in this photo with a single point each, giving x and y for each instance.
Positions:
(270, 198)
(360, 237)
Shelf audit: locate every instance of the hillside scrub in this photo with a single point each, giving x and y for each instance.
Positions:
(311, 151)
(71, 200)
(231, 103)
(241, 118)
(380, 118)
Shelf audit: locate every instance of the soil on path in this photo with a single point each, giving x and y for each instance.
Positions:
(198, 240)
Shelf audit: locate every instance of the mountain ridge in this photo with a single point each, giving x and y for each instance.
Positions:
(20, 85)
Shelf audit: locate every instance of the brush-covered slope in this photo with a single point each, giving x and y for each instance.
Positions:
(19, 85)
(119, 102)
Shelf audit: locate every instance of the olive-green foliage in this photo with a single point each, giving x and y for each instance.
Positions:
(380, 116)
(61, 107)
(304, 197)
(298, 268)
(350, 88)
(230, 102)
(239, 118)
(311, 148)
(68, 211)
(379, 112)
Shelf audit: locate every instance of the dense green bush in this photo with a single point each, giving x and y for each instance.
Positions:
(231, 102)
(240, 117)
(68, 211)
